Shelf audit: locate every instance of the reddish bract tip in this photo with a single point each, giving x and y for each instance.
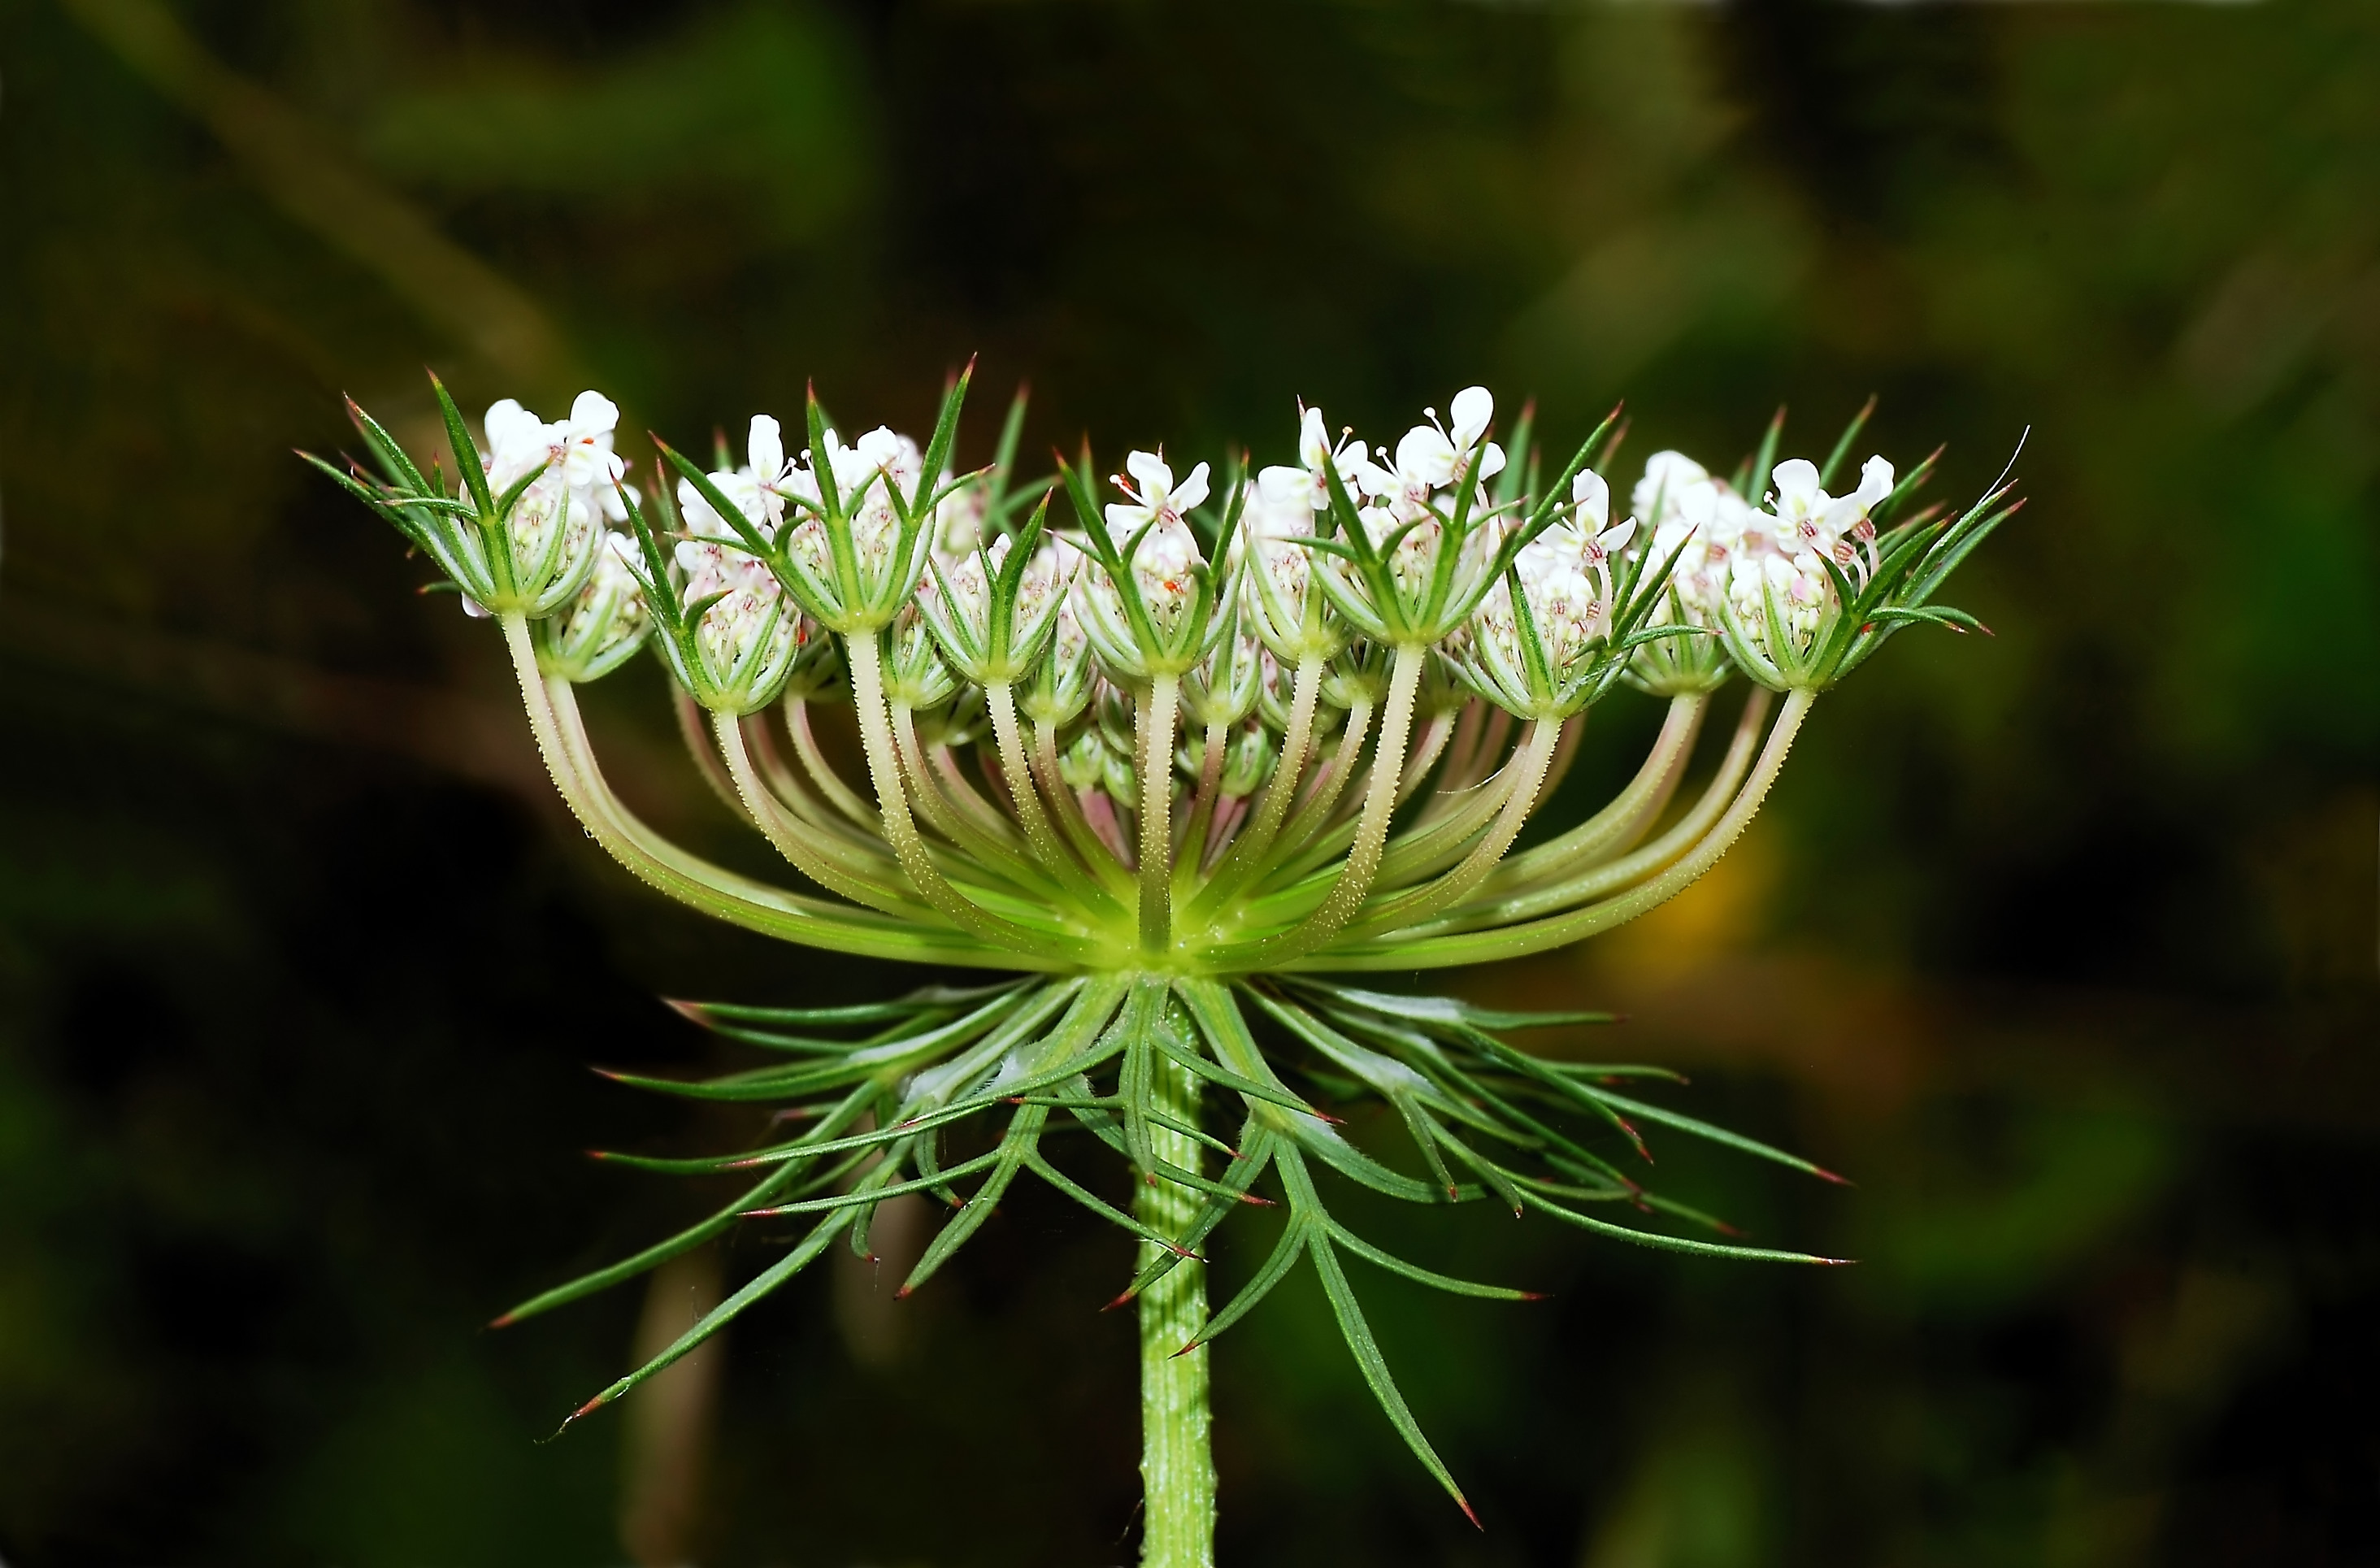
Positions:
(1536, 1295)
(1837, 1262)
(901, 1294)
(1826, 1176)
(1185, 1349)
(589, 1408)
(1260, 1203)
(686, 1009)
(1119, 1301)
(599, 1154)
(1462, 1503)
(504, 1322)
(1738, 1232)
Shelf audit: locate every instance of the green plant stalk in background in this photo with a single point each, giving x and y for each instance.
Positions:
(1166, 771)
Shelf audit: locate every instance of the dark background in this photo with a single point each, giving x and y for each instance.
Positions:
(2061, 943)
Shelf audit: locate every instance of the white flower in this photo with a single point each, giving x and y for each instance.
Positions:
(1431, 457)
(1308, 484)
(1808, 519)
(758, 489)
(1168, 550)
(1674, 486)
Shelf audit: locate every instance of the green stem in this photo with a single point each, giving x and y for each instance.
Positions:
(1177, 1463)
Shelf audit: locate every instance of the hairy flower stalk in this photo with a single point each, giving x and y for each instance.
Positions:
(1164, 755)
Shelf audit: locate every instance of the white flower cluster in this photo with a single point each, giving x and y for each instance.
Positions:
(1290, 589)
(575, 490)
(1739, 557)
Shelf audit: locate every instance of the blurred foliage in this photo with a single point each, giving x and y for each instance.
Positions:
(2062, 942)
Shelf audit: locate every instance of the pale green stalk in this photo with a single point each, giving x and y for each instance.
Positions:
(1372, 831)
(1192, 852)
(1610, 876)
(1246, 855)
(1487, 947)
(795, 792)
(1155, 714)
(1092, 848)
(830, 783)
(1022, 789)
(1631, 809)
(1528, 769)
(714, 889)
(791, 841)
(892, 805)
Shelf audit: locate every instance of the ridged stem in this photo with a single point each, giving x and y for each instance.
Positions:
(1177, 1464)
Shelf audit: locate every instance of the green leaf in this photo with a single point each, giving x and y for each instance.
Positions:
(1256, 1152)
(388, 454)
(466, 451)
(1040, 1165)
(1420, 1275)
(1719, 1134)
(1016, 1146)
(1283, 1257)
(727, 1312)
(1374, 1368)
(1660, 1242)
(1448, 1009)
(693, 1235)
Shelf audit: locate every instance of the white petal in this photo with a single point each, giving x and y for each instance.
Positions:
(766, 447)
(1491, 461)
(1797, 481)
(1281, 486)
(594, 414)
(1875, 482)
(1123, 522)
(504, 420)
(1593, 498)
(1192, 491)
(1155, 477)
(1425, 454)
(1474, 408)
(1313, 440)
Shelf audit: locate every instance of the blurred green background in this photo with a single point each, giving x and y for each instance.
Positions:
(2063, 943)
